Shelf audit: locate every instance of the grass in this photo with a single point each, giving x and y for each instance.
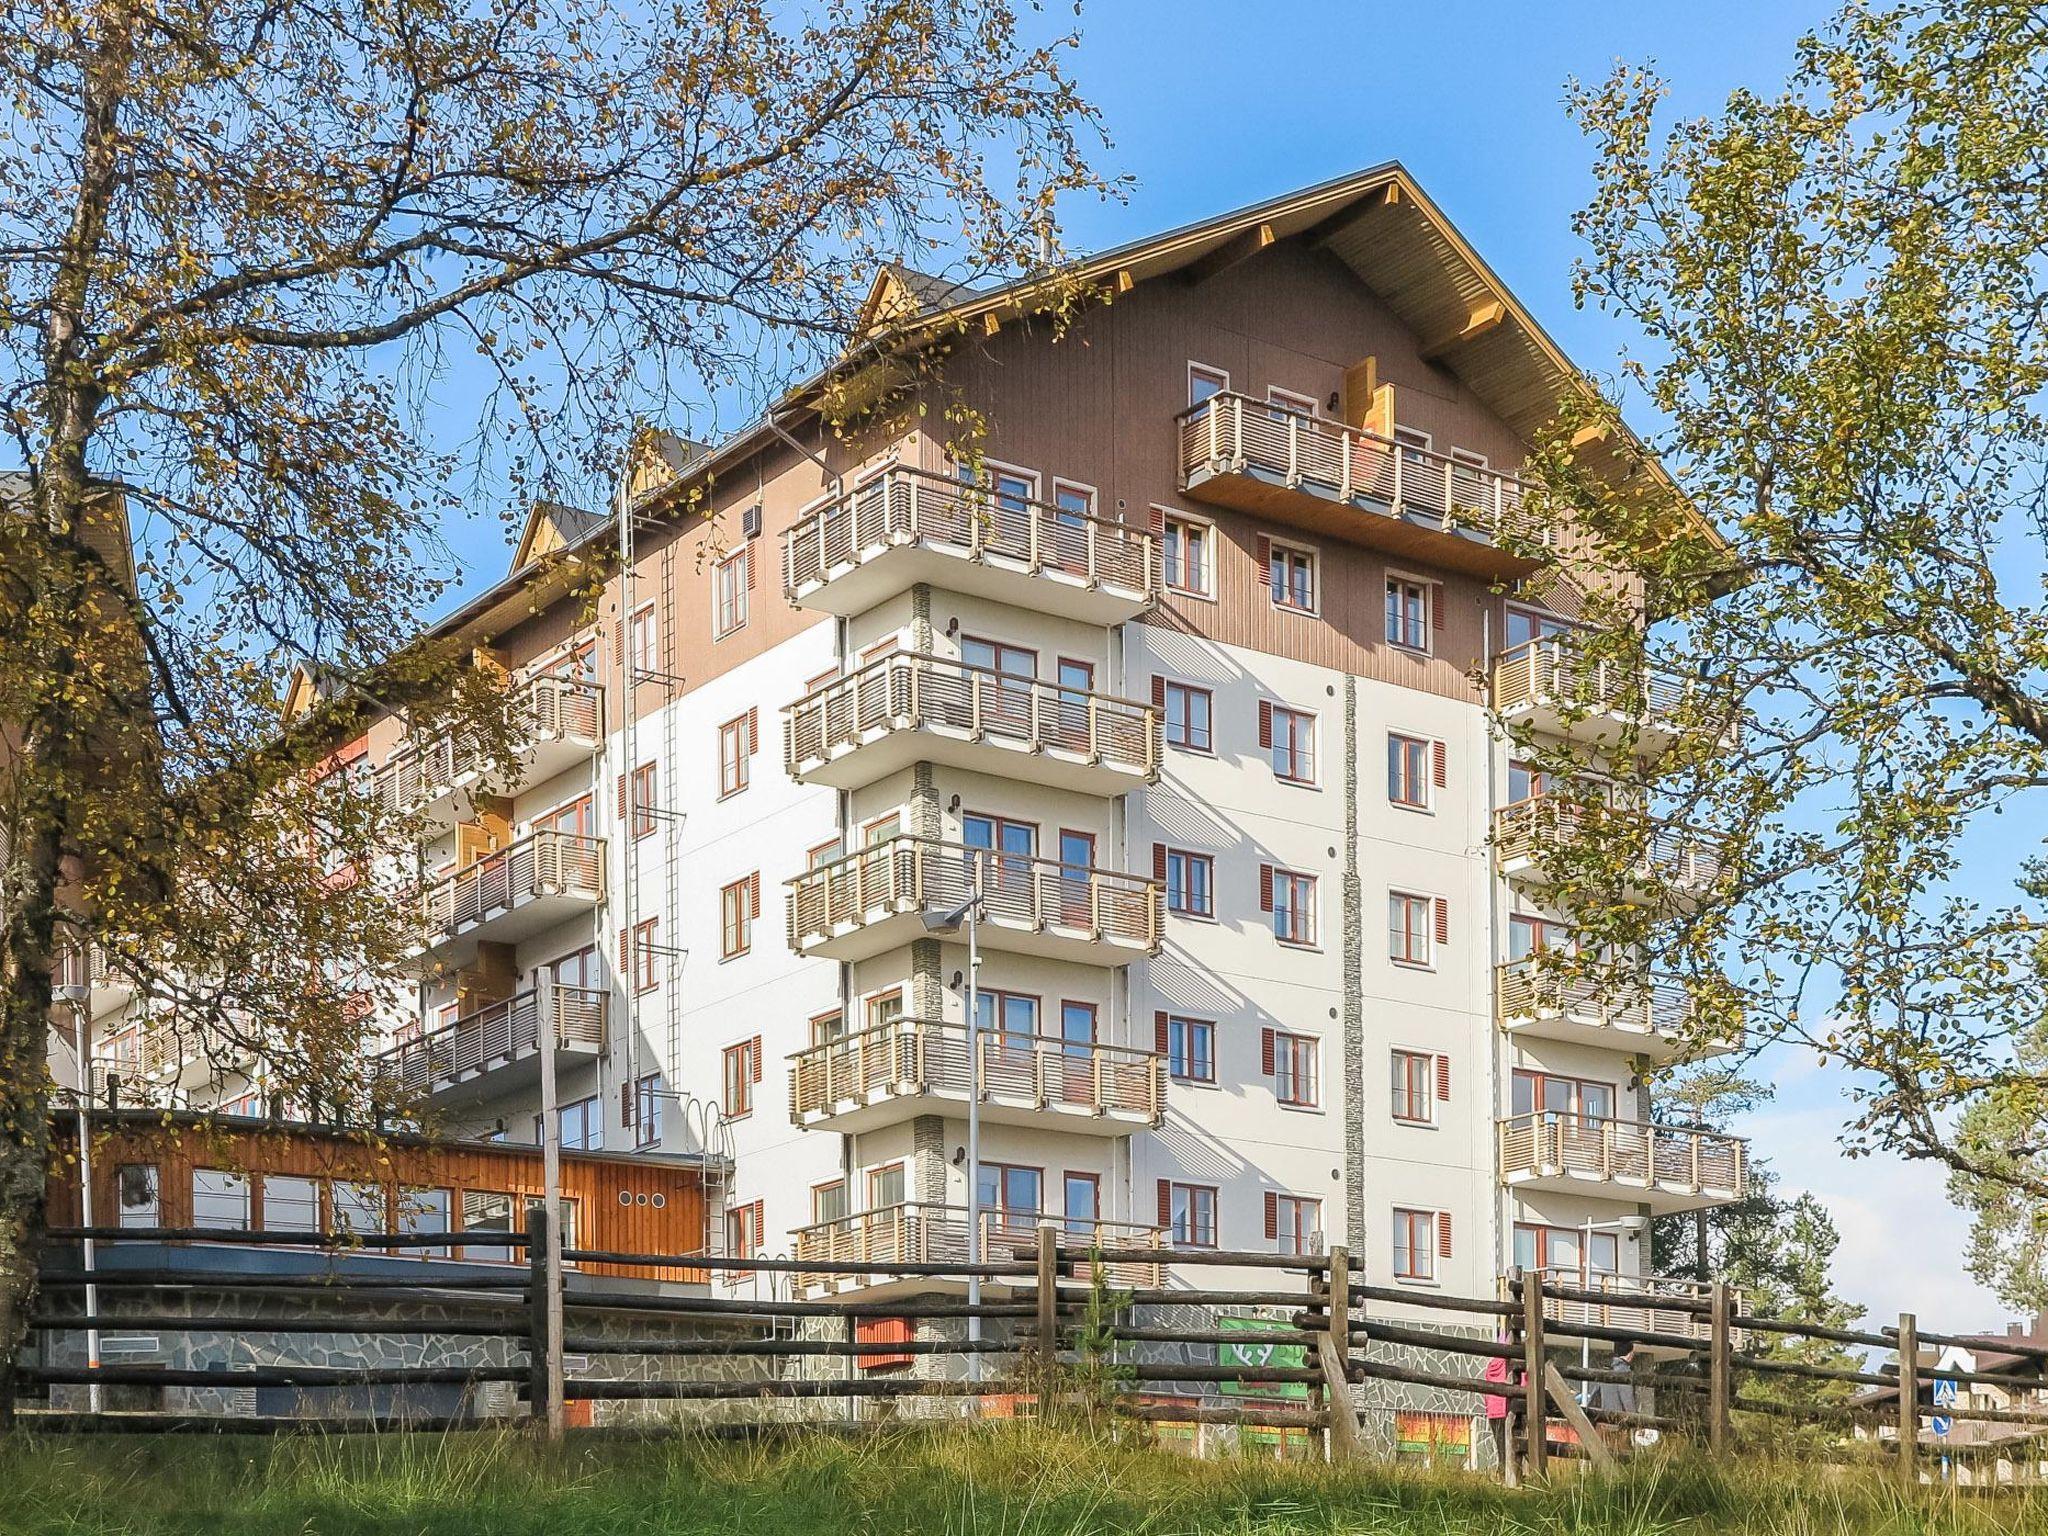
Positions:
(986, 1481)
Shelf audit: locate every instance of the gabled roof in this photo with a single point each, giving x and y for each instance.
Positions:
(903, 294)
(551, 526)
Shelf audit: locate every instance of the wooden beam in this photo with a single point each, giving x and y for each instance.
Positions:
(1347, 1436)
(1585, 437)
(1124, 281)
(1238, 248)
(1482, 320)
(990, 324)
(1568, 1406)
(1361, 382)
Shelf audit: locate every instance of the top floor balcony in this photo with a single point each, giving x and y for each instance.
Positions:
(906, 526)
(556, 722)
(1665, 862)
(880, 898)
(512, 893)
(1550, 685)
(1282, 464)
(906, 708)
(1668, 1168)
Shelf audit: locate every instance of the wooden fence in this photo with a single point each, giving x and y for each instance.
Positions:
(1040, 1322)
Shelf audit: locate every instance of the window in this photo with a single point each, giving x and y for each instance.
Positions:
(645, 653)
(290, 1205)
(358, 1208)
(744, 1232)
(828, 1202)
(1407, 614)
(1292, 1061)
(885, 1187)
(1408, 771)
(582, 1125)
(1526, 624)
(1081, 1204)
(1205, 382)
(1188, 1211)
(1190, 881)
(572, 818)
(485, 1210)
(135, 1191)
(1548, 1093)
(424, 1210)
(1419, 1236)
(1524, 783)
(1422, 1079)
(1294, 1224)
(1184, 711)
(1291, 898)
(640, 964)
(730, 579)
(1011, 1189)
(1415, 926)
(1291, 577)
(220, 1200)
(1185, 550)
(1189, 1046)
(1290, 736)
(1583, 1255)
(738, 905)
(647, 1110)
(642, 802)
(738, 740)
(1287, 403)
(1535, 935)
(742, 1072)
(1011, 1016)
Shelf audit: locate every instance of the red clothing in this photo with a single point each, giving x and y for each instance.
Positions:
(1496, 1370)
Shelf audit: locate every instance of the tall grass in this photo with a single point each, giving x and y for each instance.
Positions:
(1010, 1480)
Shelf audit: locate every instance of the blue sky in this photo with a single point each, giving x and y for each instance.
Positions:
(1218, 103)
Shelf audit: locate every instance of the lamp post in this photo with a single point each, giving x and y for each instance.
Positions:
(968, 914)
(1630, 1227)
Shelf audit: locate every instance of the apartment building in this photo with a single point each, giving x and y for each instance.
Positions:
(1175, 698)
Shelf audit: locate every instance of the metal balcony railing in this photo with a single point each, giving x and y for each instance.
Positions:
(1230, 433)
(546, 708)
(539, 865)
(1641, 1005)
(909, 874)
(916, 692)
(1553, 1143)
(905, 506)
(924, 1056)
(1667, 854)
(921, 1232)
(571, 1016)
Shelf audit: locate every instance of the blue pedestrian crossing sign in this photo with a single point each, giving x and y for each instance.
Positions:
(1944, 1397)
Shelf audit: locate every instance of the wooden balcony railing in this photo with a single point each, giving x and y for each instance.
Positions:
(919, 692)
(909, 874)
(1552, 1143)
(923, 1056)
(920, 1232)
(570, 1016)
(542, 864)
(1234, 433)
(1641, 1005)
(546, 708)
(1634, 1308)
(1667, 854)
(904, 506)
(1554, 671)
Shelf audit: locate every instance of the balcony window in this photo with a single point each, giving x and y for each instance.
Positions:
(1415, 1244)
(1296, 1224)
(1082, 1205)
(1589, 1255)
(1524, 783)
(1011, 1015)
(290, 1205)
(1012, 1191)
(1186, 548)
(1550, 1093)
(886, 1187)
(1527, 624)
(1286, 402)
(1407, 614)
(1408, 772)
(828, 1202)
(1535, 935)
(1187, 712)
(1191, 1215)
(1190, 1049)
(1291, 578)
(1205, 382)
(1190, 883)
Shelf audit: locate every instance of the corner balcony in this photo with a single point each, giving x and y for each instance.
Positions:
(1663, 1167)
(909, 1067)
(1550, 686)
(906, 526)
(557, 722)
(497, 1048)
(158, 1064)
(1257, 457)
(512, 894)
(903, 709)
(876, 899)
(1669, 862)
(1644, 1015)
(918, 1232)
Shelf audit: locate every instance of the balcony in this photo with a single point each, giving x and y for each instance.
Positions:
(156, 1064)
(89, 967)
(917, 1232)
(1669, 863)
(557, 722)
(1331, 479)
(906, 526)
(875, 899)
(910, 1067)
(512, 894)
(903, 709)
(1550, 686)
(1660, 1166)
(1630, 1311)
(496, 1048)
(1645, 1015)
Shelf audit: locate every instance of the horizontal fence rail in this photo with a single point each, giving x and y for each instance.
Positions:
(911, 507)
(915, 692)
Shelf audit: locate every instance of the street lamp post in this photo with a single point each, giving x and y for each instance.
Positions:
(968, 915)
(1628, 1226)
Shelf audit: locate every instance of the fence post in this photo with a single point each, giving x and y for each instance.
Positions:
(1048, 1304)
(1909, 1402)
(1335, 1352)
(1537, 1445)
(1720, 1368)
(538, 1343)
